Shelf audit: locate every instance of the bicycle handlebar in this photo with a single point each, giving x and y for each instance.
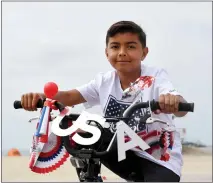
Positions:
(90, 153)
(40, 104)
(187, 107)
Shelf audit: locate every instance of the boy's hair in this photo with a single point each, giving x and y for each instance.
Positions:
(125, 27)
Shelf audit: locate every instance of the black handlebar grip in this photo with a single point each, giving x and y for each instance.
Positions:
(17, 104)
(186, 107)
(60, 106)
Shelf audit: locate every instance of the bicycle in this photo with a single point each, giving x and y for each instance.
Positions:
(86, 158)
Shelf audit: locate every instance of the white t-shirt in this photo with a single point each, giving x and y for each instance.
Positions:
(105, 90)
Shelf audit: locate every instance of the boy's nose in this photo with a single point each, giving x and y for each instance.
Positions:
(122, 53)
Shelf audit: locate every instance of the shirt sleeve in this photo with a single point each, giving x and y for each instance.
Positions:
(163, 85)
(90, 92)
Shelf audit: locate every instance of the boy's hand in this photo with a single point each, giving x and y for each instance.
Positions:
(169, 104)
(30, 100)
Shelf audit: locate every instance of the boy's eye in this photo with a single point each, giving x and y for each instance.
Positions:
(128, 47)
(114, 46)
(131, 46)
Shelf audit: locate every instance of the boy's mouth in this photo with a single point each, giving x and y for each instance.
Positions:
(123, 61)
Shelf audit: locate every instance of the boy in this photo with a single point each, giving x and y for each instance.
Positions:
(126, 49)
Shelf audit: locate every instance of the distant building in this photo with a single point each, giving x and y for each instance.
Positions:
(182, 131)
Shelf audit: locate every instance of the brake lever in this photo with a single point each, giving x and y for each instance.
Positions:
(32, 119)
(116, 119)
(37, 118)
(151, 120)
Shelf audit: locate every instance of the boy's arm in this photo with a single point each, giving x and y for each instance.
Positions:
(68, 98)
(87, 94)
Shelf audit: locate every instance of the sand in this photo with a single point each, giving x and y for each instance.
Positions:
(197, 168)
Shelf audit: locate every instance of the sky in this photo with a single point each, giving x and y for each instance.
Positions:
(64, 43)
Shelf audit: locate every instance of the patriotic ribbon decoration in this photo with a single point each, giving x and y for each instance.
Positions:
(47, 151)
(160, 142)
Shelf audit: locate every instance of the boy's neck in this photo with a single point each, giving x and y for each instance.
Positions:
(127, 78)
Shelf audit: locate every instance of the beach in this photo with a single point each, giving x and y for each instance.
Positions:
(197, 168)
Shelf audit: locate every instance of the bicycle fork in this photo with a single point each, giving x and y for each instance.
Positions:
(88, 170)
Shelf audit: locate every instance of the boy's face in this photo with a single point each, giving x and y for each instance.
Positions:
(125, 52)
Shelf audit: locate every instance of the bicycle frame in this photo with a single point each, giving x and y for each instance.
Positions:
(87, 161)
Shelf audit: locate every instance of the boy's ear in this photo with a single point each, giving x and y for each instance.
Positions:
(145, 52)
(106, 52)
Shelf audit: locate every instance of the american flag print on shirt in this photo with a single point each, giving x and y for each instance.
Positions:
(116, 108)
